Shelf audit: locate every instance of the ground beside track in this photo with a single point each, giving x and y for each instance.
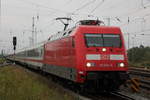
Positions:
(17, 83)
(2, 60)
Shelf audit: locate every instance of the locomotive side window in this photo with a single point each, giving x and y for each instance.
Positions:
(102, 40)
(112, 40)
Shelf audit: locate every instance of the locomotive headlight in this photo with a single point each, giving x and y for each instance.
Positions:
(104, 49)
(121, 65)
(88, 64)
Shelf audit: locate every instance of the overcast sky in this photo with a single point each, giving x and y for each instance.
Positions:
(16, 18)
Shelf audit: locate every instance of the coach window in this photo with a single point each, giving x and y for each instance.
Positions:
(37, 54)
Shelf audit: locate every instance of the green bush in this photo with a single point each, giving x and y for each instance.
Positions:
(139, 56)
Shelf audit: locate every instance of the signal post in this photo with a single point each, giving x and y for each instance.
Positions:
(14, 45)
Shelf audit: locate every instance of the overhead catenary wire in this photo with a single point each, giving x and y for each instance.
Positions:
(136, 10)
(85, 5)
(113, 5)
(130, 13)
(43, 6)
(129, 20)
(80, 8)
(127, 14)
(68, 2)
(97, 6)
(136, 33)
(53, 10)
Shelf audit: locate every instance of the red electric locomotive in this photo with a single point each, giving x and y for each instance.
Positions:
(89, 54)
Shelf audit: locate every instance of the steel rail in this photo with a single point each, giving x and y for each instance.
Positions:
(143, 74)
(123, 96)
(5, 64)
(139, 69)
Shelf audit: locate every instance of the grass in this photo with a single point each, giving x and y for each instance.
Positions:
(2, 60)
(17, 83)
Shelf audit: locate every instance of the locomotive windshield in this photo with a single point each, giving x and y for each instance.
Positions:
(103, 40)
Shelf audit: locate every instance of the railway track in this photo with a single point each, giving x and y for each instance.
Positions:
(106, 96)
(143, 75)
(5, 64)
(123, 96)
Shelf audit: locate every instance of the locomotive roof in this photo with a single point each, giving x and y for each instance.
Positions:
(85, 28)
(61, 34)
(104, 27)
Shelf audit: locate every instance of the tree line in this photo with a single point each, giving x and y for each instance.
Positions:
(139, 56)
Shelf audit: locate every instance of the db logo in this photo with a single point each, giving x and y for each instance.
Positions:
(105, 57)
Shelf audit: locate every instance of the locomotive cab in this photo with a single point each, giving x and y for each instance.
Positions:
(101, 56)
(107, 49)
